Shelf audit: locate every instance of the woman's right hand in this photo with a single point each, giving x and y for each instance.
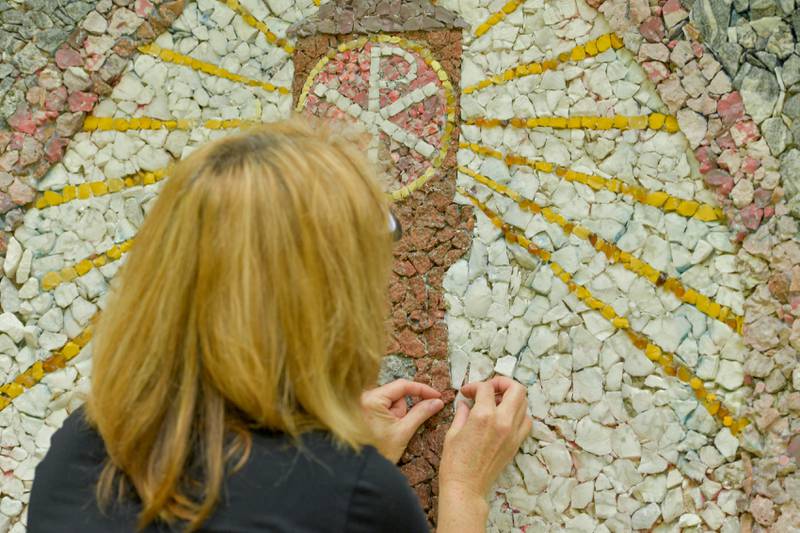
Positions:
(482, 440)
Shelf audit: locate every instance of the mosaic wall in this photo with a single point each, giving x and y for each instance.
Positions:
(598, 198)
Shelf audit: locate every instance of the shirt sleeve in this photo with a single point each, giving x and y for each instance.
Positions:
(382, 500)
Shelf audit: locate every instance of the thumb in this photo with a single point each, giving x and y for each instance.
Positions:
(460, 418)
(419, 414)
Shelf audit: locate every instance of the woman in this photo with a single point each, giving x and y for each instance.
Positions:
(229, 364)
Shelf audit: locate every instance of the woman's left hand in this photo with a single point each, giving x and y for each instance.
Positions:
(392, 422)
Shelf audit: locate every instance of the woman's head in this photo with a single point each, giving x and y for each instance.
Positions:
(253, 296)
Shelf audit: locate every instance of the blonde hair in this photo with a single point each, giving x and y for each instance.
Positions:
(254, 297)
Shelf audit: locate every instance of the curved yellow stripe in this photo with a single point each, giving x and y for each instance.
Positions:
(495, 18)
(250, 20)
(38, 370)
(54, 278)
(176, 58)
(659, 199)
(578, 53)
(653, 121)
(148, 123)
(91, 189)
(666, 360)
(614, 254)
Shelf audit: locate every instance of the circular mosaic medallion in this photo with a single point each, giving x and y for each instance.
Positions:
(397, 91)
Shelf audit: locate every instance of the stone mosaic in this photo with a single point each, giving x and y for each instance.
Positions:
(597, 200)
(400, 92)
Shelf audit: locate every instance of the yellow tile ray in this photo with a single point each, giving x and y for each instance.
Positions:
(147, 123)
(653, 121)
(211, 69)
(614, 254)
(495, 18)
(250, 20)
(58, 359)
(84, 191)
(578, 53)
(652, 351)
(54, 278)
(658, 199)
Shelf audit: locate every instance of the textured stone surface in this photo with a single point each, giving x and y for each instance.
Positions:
(617, 443)
(44, 49)
(342, 17)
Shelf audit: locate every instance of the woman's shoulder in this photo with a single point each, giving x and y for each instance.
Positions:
(351, 490)
(62, 497)
(75, 443)
(383, 500)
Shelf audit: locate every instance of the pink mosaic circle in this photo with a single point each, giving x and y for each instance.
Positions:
(397, 96)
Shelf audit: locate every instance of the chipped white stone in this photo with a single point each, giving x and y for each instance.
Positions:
(505, 365)
(645, 517)
(593, 437)
(726, 443)
(11, 326)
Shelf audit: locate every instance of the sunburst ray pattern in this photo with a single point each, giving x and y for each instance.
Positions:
(601, 273)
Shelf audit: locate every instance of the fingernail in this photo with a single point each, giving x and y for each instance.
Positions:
(437, 405)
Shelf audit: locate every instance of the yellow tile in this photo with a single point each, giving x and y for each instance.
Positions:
(70, 350)
(690, 297)
(13, 390)
(90, 123)
(706, 213)
(120, 124)
(605, 123)
(37, 370)
(656, 121)
(115, 184)
(671, 204)
(84, 191)
(69, 192)
(637, 122)
(52, 198)
(608, 312)
(99, 188)
(652, 352)
(578, 53)
(671, 124)
(657, 198)
(68, 273)
(620, 323)
(687, 208)
(83, 267)
(51, 280)
(621, 122)
(603, 43)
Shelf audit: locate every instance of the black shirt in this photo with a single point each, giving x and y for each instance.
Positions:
(280, 489)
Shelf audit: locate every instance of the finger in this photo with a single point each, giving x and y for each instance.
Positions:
(460, 418)
(524, 430)
(402, 387)
(484, 397)
(514, 403)
(399, 408)
(501, 384)
(418, 414)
